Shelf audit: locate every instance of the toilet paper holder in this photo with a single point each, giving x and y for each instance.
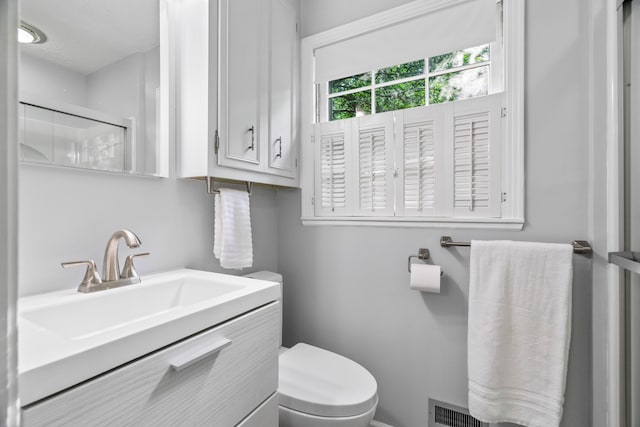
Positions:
(423, 254)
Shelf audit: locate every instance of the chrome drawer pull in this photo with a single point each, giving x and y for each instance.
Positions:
(197, 354)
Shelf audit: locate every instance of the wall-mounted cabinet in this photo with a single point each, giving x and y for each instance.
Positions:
(236, 91)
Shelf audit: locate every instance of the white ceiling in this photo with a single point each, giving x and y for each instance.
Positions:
(86, 35)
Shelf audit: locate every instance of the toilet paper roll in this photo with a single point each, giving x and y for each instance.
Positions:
(425, 278)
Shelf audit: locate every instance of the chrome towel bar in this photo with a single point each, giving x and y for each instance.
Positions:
(579, 246)
(211, 180)
(627, 260)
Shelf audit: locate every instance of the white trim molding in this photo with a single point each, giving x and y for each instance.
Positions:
(9, 404)
(615, 283)
(512, 150)
(453, 223)
(513, 179)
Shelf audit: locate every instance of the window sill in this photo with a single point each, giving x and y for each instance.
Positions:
(514, 224)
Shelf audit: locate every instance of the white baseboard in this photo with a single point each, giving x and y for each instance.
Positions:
(375, 423)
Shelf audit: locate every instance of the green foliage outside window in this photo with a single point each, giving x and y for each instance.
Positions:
(459, 85)
(442, 87)
(351, 82)
(400, 96)
(348, 106)
(397, 72)
(459, 58)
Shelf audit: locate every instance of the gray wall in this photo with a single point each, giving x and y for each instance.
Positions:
(68, 215)
(51, 81)
(346, 288)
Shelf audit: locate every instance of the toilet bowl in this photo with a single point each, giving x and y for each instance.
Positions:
(319, 388)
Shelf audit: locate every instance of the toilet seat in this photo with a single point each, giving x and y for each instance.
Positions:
(318, 382)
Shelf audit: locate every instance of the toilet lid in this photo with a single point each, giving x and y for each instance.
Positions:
(319, 382)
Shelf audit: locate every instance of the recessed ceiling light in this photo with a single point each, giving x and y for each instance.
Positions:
(29, 34)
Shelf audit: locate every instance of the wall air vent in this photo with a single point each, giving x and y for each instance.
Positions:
(446, 415)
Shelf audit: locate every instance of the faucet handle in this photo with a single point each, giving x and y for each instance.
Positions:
(129, 269)
(91, 276)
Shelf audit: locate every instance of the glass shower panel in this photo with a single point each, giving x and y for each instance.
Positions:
(87, 143)
(36, 125)
(53, 137)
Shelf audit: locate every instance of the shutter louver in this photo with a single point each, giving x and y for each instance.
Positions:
(419, 167)
(373, 169)
(373, 148)
(471, 169)
(333, 171)
(476, 157)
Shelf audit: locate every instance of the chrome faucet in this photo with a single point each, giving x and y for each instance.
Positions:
(111, 266)
(111, 277)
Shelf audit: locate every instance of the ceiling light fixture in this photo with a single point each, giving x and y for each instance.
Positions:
(29, 34)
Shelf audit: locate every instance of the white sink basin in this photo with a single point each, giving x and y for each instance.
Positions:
(68, 337)
(89, 315)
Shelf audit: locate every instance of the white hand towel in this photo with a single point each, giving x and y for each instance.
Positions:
(233, 243)
(519, 331)
(217, 232)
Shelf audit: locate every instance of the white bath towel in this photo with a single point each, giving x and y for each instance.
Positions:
(519, 331)
(233, 243)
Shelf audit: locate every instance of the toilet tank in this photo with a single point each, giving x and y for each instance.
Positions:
(266, 275)
(271, 277)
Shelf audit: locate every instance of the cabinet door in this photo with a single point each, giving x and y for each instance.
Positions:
(282, 76)
(265, 415)
(195, 35)
(242, 28)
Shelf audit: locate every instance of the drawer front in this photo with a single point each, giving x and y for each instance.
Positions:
(212, 382)
(266, 415)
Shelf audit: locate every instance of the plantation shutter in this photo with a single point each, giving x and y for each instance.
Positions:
(421, 160)
(476, 129)
(447, 157)
(333, 164)
(374, 136)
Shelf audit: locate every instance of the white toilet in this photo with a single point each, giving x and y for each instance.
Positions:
(318, 388)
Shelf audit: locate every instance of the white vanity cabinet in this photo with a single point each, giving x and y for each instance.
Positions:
(224, 376)
(236, 90)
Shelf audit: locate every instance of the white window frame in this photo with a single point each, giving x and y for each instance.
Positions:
(512, 152)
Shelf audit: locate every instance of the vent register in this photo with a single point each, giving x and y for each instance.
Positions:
(443, 414)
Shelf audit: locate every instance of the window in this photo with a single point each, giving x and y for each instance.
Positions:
(435, 140)
(449, 77)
